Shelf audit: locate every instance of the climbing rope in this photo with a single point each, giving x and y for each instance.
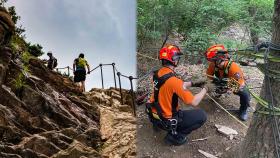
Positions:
(275, 126)
(146, 56)
(255, 52)
(220, 106)
(256, 49)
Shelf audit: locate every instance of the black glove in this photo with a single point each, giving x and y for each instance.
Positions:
(199, 82)
(210, 87)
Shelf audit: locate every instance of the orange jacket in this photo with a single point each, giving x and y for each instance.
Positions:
(234, 71)
(172, 86)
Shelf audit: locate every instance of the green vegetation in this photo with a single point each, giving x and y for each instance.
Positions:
(2, 2)
(35, 49)
(19, 82)
(18, 43)
(12, 11)
(25, 57)
(200, 22)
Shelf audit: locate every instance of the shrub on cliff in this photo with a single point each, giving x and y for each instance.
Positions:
(35, 49)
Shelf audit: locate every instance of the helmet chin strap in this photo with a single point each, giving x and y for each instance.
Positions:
(178, 61)
(218, 62)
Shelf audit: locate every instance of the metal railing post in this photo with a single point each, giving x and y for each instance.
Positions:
(119, 76)
(113, 64)
(68, 69)
(101, 75)
(132, 95)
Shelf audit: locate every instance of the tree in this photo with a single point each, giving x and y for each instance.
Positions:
(200, 22)
(262, 140)
(258, 19)
(35, 49)
(153, 21)
(12, 11)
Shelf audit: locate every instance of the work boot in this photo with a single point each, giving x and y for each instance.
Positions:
(243, 114)
(175, 139)
(156, 127)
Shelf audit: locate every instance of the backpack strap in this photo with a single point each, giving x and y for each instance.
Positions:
(216, 72)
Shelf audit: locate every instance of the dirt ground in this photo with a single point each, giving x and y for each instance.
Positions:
(150, 144)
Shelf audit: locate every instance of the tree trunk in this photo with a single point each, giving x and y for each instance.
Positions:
(260, 141)
(253, 32)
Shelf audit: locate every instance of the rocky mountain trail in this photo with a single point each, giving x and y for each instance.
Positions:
(117, 122)
(37, 114)
(43, 114)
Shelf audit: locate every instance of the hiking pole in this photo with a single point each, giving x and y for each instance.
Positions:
(132, 95)
(101, 75)
(119, 76)
(113, 65)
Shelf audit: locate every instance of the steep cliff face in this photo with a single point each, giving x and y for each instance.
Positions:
(7, 26)
(43, 114)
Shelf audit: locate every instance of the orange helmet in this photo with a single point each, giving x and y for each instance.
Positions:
(171, 53)
(216, 52)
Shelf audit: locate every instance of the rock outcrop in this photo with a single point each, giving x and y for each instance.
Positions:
(46, 115)
(117, 123)
(7, 26)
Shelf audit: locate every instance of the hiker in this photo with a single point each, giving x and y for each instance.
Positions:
(221, 68)
(79, 70)
(163, 109)
(52, 62)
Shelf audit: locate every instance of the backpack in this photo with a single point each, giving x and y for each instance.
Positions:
(81, 62)
(54, 62)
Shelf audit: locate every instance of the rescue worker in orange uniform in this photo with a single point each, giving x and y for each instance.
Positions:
(163, 108)
(220, 66)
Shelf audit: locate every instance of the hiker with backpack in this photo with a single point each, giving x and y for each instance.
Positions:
(52, 62)
(79, 70)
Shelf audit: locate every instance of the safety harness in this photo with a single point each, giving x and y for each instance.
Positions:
(225, 83)
(226, 70)
(166, 124)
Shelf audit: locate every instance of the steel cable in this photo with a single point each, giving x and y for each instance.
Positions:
(275, 127)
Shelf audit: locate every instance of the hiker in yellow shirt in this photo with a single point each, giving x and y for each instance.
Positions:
(79, 70)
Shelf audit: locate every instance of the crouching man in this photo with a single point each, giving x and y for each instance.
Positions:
(163, 108)
(221, 68)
